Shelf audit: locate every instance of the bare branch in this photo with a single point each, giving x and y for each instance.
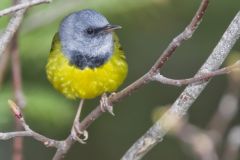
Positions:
(18, 93)
(199, 79)
(186, 34)
(62, 151)
(153, 71)
(170, 119)
(90, 118)
(28, 131)
(11, 29)
(22, 6)
(10, 135)
(16, 72)
(155, 134)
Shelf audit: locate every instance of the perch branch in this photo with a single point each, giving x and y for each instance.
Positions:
(186, 34)
(22, 6)
(190, 29)
(64, 146)
(180, 107)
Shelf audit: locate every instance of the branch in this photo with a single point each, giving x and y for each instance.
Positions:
(10, 35)
(12, 27)
(28, 131)
(10, 135)
(18, 94)
(155, 134)
(197, 79)
(186, 34)
(24, 5)
(154, 70)
(16, 72)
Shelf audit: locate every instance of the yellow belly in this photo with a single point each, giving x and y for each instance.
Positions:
(87, 83)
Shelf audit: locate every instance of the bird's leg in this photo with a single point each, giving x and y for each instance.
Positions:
(76, 133)
(105, 105)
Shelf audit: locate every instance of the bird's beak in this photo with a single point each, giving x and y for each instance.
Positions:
(109, 28)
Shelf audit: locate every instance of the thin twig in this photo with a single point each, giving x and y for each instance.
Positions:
(180, 107)
(186, 34)
(64, 146)
(199, 79)
(10, 135)
(28, 131)
(18, 93)
(11, 29)
(22, 6)
(16, 73)
(35, 20)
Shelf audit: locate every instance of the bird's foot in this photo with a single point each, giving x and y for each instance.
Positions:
(77, 134)
(105, 105)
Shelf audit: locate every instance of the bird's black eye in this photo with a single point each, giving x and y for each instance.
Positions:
(90, 30)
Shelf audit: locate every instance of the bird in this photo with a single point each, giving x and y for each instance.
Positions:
(86, 59)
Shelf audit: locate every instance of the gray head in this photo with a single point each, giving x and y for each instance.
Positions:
(86, 38)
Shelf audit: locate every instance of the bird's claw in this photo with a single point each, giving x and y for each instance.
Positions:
(105, 105)
(78, 135)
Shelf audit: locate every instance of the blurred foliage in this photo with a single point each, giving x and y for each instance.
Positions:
(234, 77)
(232, 58)
(158, 112)
(42, 109)
(5, 113)
(148, 26)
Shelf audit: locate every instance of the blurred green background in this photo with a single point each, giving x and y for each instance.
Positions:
(148, 27)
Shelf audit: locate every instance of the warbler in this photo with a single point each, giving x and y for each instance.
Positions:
(86, 59)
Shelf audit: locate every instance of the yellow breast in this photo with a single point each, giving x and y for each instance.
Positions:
(87, 83)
